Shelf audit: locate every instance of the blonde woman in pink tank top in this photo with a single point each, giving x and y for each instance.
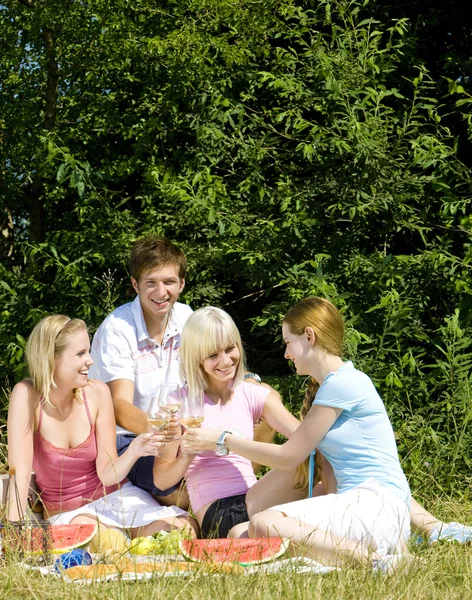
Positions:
(223, 489)
(62, 425)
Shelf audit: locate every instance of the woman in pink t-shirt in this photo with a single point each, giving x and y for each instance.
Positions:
(61, 424)
(212, 362)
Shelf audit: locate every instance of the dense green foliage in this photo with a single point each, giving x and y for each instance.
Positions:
(290, 147)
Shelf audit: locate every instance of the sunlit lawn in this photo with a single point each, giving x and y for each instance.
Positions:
(445, 573)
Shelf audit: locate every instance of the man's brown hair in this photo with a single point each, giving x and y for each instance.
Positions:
(153, 252)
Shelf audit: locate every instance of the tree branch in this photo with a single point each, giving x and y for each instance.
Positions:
(28, 3)
(52, 80)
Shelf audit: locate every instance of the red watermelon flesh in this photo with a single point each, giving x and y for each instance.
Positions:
(55, 538)
(244, 551)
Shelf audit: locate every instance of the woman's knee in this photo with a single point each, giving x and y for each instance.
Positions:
(252, 502)
(261, 523)
(239, 531)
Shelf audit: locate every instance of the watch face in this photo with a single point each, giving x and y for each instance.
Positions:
(221, 447)
(222, 450)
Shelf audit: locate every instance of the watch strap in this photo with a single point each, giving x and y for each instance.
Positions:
(222, 438)
(254, 376)
(221, 448)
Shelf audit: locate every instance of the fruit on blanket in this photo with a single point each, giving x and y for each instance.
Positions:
(243, 551)
(168, 542)
(142, 545)
(108, 540)
(161, 542)
(53, 538)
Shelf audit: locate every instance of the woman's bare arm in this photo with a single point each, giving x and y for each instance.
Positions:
(20, 428)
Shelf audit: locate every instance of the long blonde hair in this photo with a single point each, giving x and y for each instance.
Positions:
(47, 341)
(327, 323)
(206, 331)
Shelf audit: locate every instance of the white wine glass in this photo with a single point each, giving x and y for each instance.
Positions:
(169, 397)
(191, 413)
(156, 416)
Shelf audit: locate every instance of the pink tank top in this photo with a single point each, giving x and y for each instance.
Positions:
(211, 477)
(67, 477)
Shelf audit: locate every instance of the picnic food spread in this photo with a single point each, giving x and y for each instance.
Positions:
(165, 553)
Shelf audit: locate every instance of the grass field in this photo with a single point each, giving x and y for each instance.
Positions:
(445, 572)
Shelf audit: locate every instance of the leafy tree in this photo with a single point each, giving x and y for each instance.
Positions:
(290, 147)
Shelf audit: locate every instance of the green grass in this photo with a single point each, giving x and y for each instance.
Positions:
(446, 573)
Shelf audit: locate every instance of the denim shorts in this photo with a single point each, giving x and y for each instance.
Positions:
(141, 472)
(222, 515)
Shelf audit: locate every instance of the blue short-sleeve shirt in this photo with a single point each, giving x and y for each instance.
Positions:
(361, 443)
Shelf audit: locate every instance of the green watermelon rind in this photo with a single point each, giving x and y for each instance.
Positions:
(205, 553)
(79, 541)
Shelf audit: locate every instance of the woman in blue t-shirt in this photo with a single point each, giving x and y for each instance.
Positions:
(368, 516)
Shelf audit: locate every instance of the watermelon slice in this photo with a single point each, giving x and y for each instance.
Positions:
(244, 551)
(55, 538)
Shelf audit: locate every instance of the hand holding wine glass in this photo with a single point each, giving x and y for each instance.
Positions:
(191, 413)
(169, 401)
(157, 420)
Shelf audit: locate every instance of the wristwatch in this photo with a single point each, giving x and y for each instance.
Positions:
(254, 376)
(221, 448)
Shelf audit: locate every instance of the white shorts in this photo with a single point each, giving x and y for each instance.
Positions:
(129, 506)
(369, 514)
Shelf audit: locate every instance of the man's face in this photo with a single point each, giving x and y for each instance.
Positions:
(159, 289)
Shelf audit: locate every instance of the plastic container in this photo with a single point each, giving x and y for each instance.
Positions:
(74, 558)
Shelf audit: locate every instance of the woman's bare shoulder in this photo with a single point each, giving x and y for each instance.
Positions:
(97, 392)
(24, 401)
(24, 392)
(98, 387)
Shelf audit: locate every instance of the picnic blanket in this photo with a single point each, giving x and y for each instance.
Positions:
(143, 568)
